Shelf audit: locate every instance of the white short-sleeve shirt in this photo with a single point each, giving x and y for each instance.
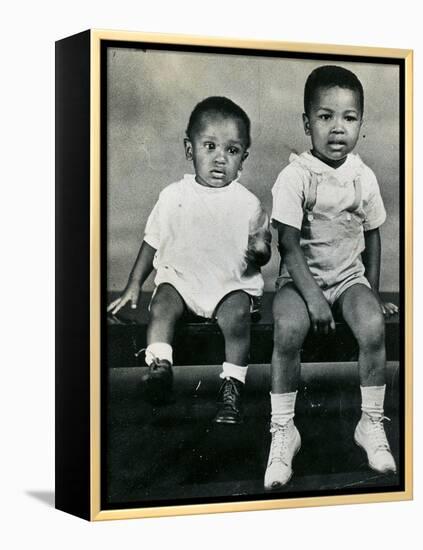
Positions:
(291, 188)
(201, 235)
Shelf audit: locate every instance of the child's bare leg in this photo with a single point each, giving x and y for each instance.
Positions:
(291, 325)
(233, 318)
(166, 308)
(362, 312)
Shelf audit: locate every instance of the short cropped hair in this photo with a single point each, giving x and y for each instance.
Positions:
(328, 76)
(221, 106)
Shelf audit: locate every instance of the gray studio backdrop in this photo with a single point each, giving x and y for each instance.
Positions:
(150, 97)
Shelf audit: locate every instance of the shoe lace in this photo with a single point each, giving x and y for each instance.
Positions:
(279, 447)
(137, 353)
(378, 433)
(229, 394)
(155, 364)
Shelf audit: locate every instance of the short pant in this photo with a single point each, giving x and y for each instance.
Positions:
(194, 311)
(333, 292)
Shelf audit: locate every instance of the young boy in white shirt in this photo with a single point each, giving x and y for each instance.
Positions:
(207, 238)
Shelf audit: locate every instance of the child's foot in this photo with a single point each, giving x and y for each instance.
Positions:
(286, 443)
(370, 435)
(230, 402)
(157, 383)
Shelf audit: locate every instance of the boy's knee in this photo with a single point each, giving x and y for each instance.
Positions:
(372, 331)
(241, 314)
(162, 308)
(289, 335)
(157, 308)
(237, 316)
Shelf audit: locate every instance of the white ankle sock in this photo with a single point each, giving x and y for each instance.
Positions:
(234, 371)
(283, 407)
(158, 350)
(372, 398)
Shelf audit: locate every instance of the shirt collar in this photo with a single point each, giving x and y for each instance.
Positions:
(190, 178)
(348, 170)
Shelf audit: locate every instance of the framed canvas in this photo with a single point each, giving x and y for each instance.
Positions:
(142, 162)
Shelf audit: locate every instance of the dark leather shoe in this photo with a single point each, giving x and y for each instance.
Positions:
(158, 382)
(230, 402)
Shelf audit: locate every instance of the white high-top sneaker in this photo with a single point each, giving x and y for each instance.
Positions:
(370, 435)
(286, 443)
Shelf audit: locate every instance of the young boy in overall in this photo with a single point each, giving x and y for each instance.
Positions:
(327, 209)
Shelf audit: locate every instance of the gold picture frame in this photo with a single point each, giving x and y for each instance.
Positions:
(82, 135)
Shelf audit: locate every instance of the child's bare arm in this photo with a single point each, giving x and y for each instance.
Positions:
(371, 260)
(142, 268)
(319, 310)
(371, 257)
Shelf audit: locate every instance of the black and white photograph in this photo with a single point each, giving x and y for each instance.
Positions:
(253, 215)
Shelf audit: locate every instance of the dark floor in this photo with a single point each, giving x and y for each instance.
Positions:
(175, 452)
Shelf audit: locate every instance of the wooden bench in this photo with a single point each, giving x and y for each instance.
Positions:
(201, 343)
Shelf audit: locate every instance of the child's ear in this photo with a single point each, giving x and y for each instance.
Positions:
(188, 149)
(362, 130)
(244, 156)
(306, 123)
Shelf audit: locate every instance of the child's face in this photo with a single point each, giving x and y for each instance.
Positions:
(217, 149)
(333, 122)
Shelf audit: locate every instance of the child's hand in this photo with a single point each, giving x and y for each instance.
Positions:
(321, 316)
(130, 294)
(259, 250)
(388, 308)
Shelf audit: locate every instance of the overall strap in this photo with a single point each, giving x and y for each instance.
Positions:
(310, 201)
(357, 195)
